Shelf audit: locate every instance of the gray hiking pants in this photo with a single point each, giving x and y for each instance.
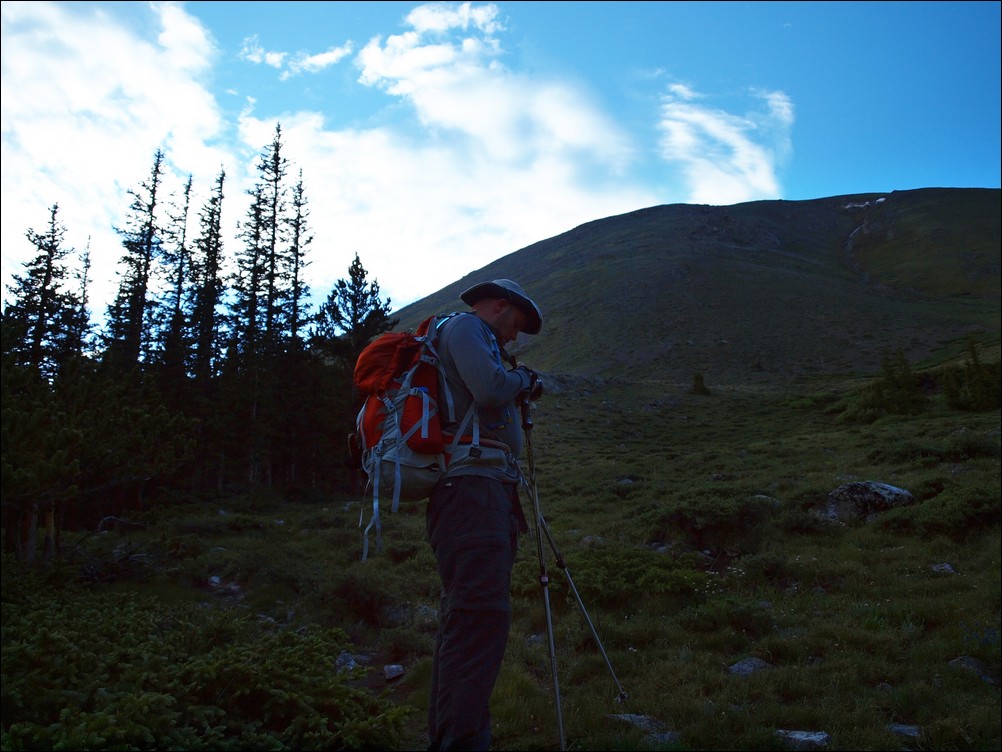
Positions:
(473, 525)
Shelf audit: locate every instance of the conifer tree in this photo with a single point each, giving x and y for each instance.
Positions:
(269, 307)
(273, 168)
(79, 340)
(173, 335)
(129, 335)
(45, 330)
(246, 282)
(300, 238)
(208, 286)
(349, 319)
(44, 322)
(352, 316)
(246, 361)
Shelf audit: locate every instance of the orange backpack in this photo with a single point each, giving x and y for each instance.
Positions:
(399, 428)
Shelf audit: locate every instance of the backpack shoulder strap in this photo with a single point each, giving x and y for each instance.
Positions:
(435, 324)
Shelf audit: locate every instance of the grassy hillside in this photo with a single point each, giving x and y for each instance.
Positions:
(760, 292)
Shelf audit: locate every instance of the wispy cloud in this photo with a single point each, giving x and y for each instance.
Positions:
(292, 64)
(726, 158)
(253, 52)
(459, 84)
(305, 63)
(440, 17)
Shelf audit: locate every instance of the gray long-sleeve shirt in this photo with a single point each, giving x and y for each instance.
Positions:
(475, 372)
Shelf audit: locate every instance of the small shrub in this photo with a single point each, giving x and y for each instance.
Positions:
(405, 643)
(730, 523)
(353, 592)
(801, 522)
(769, 566)
(974, 386)
(699, 386)
(968, 445)
(957, 513)
(898, 391)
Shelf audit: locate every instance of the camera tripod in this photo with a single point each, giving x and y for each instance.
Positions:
(542, 530)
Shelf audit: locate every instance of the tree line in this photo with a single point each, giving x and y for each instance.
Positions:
(210, 373)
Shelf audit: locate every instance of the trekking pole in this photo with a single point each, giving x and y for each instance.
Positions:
(544, 580)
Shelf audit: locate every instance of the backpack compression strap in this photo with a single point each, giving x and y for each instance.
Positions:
(377, 455)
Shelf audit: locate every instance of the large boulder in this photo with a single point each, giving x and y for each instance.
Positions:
(860, 500)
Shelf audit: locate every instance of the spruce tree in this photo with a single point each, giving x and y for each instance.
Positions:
(247, 280)
(175, 303)
(45, 322)
(300, 238)
(269, 308)
(273, 168)
(353, 314)
(207, 261)
(79, 340)
(129, 336)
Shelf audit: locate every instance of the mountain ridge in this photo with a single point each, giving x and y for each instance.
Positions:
(757, 292)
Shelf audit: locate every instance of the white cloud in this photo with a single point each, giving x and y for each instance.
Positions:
(86, 102)
(681, 91)
(186, 45)
(253, 52)
(460, 85)
(490, 160)
(292, 64)
(439, 17)
(315, 63)
(726, 158)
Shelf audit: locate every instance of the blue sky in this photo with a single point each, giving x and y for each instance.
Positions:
(435, 138)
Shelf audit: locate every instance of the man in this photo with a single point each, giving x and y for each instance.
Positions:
(473, 515)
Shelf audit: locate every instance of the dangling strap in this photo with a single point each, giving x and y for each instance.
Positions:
(374, 482)
(376, 465)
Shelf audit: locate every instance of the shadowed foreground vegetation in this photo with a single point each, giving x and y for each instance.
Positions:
(689, 525)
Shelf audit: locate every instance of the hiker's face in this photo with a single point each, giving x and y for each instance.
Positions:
(509, 322)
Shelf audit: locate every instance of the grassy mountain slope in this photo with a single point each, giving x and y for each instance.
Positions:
(757, 292)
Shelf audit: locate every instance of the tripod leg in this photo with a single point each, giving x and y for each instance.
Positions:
(544, 582)
(543, 529)
(584, 611)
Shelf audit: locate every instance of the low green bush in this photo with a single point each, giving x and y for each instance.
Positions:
(958, 512)
(897, 391)
(974, 386)
(103, 670)
(743, 615)
(617, 578)
(714, 521)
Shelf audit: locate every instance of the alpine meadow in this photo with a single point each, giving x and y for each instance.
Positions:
(767, 461)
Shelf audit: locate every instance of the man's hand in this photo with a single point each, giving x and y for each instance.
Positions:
(535, 390)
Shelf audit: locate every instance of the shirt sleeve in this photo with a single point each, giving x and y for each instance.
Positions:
(477, 358)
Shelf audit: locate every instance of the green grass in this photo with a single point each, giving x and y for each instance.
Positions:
(642, 486)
